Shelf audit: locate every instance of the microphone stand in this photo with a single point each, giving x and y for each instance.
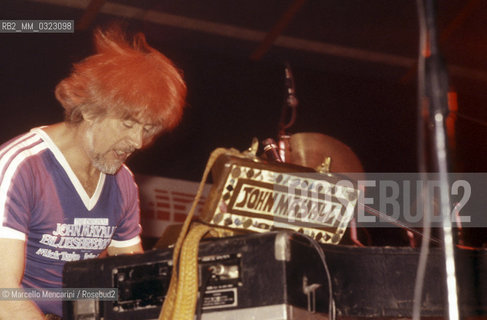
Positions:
(432, 97)
(290, 103)
(288, 114)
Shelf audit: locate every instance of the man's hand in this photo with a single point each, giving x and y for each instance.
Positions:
(12, 257)
(115, 251)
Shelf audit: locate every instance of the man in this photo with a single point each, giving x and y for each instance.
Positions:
(65, 193)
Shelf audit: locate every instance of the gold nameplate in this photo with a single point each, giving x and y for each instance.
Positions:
(260, 196)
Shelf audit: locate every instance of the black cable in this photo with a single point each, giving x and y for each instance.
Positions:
(399, 224)
(321, 253)
(205, 277)
(469, 118)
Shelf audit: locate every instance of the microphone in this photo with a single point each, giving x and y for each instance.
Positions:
(271, 150)
(288, 113)
(291, 100)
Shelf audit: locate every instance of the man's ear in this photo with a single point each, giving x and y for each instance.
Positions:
(88, 116)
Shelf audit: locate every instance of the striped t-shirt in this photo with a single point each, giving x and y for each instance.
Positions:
(43, 203)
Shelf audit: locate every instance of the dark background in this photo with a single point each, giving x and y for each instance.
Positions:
(363, 93)
(354, 64)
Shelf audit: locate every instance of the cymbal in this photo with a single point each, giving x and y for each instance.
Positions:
(310, 149)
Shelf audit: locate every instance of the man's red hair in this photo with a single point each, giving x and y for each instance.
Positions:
(124, 79)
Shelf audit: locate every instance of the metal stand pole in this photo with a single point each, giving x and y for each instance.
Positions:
(435, 96)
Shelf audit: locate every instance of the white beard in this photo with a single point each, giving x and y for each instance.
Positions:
(98, 160)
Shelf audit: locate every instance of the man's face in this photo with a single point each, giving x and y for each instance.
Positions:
(108, 142)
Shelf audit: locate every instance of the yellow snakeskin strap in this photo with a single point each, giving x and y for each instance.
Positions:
(187, 289)
(181, 303)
